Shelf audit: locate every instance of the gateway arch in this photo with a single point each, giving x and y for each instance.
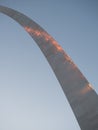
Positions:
(80, 94)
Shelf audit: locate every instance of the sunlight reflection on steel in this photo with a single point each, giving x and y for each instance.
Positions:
(80, 94)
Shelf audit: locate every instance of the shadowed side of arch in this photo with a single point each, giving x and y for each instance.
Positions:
(80, 94)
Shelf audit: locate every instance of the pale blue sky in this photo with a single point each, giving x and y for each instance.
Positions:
(30, 95)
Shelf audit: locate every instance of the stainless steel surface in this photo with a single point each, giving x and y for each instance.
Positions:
(80, 94)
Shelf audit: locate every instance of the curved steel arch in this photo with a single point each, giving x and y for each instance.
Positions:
(80, 94)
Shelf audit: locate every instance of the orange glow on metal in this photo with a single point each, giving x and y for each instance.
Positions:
(86, 89)
(46, 36)
(29, 30)
(59, 48)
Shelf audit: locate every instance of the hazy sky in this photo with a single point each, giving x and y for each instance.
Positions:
(30, 95)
